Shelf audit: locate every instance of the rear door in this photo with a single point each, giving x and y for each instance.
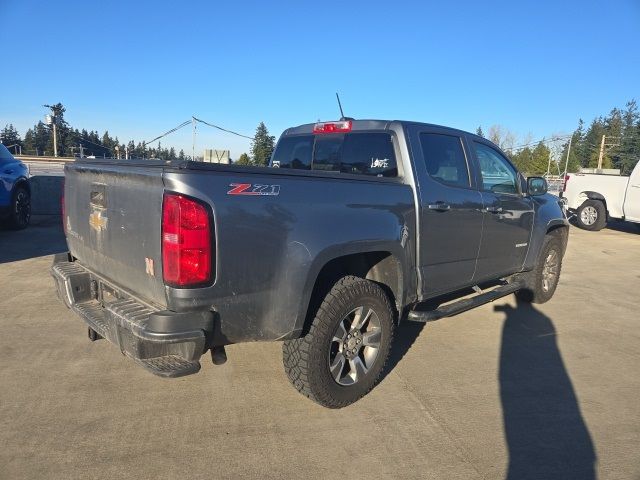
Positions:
(508, 214)
(450, 209)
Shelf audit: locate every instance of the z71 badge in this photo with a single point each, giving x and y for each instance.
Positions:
(253, 189)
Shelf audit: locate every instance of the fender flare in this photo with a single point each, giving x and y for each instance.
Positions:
(593, 196)
(21, 182)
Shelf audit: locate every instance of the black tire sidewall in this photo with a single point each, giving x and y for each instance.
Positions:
(539, 294)
(13, 217)
(357, 294)
(601, 219)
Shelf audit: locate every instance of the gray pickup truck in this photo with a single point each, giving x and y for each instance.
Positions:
(357, 226)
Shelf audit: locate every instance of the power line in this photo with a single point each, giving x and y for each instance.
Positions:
(223, 129)
(183, 124)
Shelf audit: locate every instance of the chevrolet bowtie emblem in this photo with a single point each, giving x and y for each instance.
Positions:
(98, 221)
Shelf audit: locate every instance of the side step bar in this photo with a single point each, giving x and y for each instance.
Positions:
(463, 305)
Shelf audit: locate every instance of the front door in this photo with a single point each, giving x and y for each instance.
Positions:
(508, 215)
(632, 198)
(450, 210)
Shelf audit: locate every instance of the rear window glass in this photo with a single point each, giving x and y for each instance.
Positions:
(293, 152)
(326, 155)
(369, 154)
(366, 153)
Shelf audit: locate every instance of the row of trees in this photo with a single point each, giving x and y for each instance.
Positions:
(621, 128)
(73, 142)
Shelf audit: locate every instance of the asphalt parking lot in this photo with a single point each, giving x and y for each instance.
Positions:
(503, 391)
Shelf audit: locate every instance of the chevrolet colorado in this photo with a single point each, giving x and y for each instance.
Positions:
(357, 226)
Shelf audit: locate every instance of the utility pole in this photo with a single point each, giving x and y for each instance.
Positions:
(53, 119)
(81, 151)
(566, 163)
(601, 152)
(603, 144)
(55, 139)
(193, 146)
(126, 152)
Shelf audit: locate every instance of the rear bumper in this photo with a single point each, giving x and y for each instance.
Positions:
(168, 344)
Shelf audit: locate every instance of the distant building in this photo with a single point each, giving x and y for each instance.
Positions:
(216, 156)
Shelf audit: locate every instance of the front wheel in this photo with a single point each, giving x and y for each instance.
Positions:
(342, 356)
(542, 281)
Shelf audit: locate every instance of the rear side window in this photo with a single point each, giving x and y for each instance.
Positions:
(293, 152)
(445, 160)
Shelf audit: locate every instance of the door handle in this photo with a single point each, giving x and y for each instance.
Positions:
(493, 209)
(8, 171)
(439, 206)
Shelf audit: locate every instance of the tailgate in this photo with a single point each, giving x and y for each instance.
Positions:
(113, 216)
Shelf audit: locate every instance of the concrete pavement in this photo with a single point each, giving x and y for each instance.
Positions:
(503, 391)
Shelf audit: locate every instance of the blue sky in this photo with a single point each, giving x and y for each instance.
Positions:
(139, 68)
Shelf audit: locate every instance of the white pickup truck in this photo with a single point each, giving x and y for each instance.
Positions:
(595, 198)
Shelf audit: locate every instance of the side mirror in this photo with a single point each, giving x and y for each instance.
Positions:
(536, 186)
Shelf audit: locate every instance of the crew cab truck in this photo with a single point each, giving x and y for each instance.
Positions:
(357, 226)
(594, 198)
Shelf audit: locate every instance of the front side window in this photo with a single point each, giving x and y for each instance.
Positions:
(498, 175)
(445, 160)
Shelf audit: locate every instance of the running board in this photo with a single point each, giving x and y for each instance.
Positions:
(463, 305)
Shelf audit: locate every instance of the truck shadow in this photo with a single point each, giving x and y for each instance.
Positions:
(545, 432)
(544, 429)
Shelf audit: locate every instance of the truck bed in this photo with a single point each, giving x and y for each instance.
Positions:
(269, 245)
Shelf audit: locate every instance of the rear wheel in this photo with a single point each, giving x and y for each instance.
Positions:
(342, 356)
(20, 209)
(592, 215)
(542, 281)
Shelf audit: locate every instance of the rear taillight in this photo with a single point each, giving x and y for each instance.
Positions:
(186, 242)
(332, 127)
(564, 184)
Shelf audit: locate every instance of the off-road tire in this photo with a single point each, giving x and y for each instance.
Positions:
(19, 217)
(601, 218)
(534, 292)
(306, 359)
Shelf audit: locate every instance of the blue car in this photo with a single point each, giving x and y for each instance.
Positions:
(15, 191)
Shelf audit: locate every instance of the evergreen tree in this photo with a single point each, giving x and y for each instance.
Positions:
(262, 146)
(10, 137)
(479, 131)
(243, 160)
(539, 159)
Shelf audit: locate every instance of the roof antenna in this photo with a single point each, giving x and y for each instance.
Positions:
(342, 117)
